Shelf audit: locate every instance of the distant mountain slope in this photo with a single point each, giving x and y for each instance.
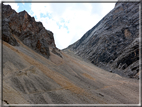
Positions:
(113, 44)
(29, 78)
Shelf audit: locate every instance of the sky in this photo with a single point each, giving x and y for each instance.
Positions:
(68, 21)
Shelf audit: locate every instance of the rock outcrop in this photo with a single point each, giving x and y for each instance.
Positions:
(30, 32)
(113, 43)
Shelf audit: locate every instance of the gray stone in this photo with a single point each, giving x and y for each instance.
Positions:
(111, 39)
(25, 28)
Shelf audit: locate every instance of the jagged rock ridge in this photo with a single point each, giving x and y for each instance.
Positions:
(113, 44)
(30, 32)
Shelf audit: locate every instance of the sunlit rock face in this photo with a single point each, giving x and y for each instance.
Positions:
(30, 32)
(113, 44)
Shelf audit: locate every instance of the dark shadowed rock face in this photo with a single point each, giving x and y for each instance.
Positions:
(30, 32)
(113, 43)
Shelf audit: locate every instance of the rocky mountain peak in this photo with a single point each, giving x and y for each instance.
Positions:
(7, 11)
(25, 28)
(24, 14)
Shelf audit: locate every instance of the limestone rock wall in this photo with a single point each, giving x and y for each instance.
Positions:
(113, 41)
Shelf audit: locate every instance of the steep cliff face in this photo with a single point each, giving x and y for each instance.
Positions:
(113, 43)
(30, 32)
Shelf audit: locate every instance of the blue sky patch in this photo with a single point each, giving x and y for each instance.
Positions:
(59, 25)
(25, 6)
(47, 15)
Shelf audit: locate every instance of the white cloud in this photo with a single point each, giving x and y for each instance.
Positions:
(40, 8)
(13, 5)
(106, 7)
(69, 21)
